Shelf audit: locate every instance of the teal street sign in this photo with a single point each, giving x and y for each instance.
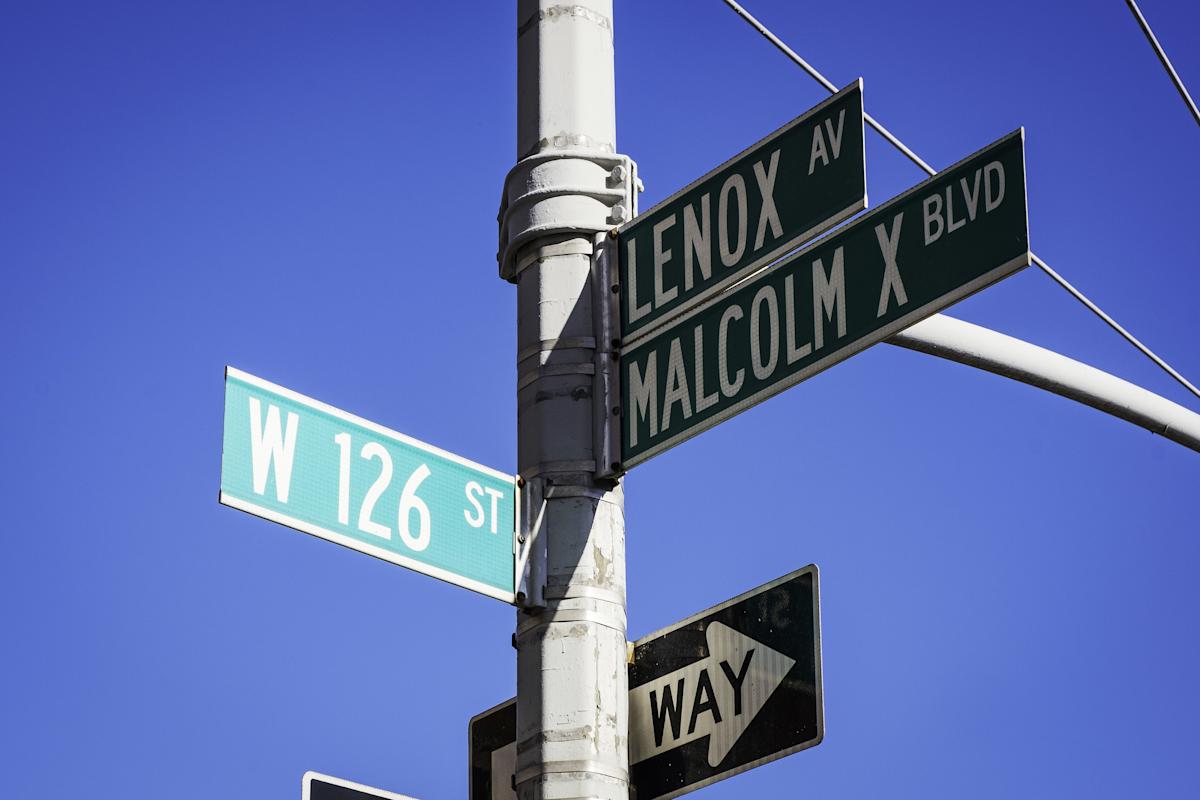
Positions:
(939, 242)
(797, 182)
(301, 463)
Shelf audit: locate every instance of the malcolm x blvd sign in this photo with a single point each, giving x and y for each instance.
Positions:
(315, 468)
(920, 252)
(722, 692)
(797, 182)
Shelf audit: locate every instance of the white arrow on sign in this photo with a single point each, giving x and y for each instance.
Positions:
(716, 696)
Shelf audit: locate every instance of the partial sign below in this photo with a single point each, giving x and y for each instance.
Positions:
(731, 688)
(296, 461)
(315, 786)
(797, 182)
(939, 242)
(492, 738)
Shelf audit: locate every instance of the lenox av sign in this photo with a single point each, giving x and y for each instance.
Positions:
(797, 182)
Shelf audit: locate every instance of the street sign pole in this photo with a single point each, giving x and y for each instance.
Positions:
(568, 185)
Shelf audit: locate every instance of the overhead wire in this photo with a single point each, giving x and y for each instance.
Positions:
(913, 157)
(1166, 62)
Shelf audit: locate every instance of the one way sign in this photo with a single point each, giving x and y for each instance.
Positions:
(733, 687)
(686, 705)
(723, 691)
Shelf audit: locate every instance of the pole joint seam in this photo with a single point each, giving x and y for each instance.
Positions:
(562, 466)
(584, 766)
(532, 622)
(584, 592)
(554, 371)
(561, 343)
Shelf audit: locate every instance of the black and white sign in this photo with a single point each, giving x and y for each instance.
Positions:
(728, 689)
(785, 189)
(315, 786)
(493, 757)
(719, 693)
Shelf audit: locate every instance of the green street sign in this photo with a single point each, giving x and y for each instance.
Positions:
(922, 251)
(797, 182)
(312, 467)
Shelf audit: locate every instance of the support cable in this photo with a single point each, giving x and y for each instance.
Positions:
(1166, 62)
(913, 157)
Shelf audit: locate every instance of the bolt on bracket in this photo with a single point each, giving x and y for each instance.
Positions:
(557, 192)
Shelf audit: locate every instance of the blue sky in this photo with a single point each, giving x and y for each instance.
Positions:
(308, 191)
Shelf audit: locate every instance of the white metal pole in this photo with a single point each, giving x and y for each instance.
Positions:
(572, 695)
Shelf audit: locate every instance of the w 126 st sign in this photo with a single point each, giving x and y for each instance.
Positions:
(296, 461)
(800, 180)
(944, 239)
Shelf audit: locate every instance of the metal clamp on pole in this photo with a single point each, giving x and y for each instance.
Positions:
(530, 562)
(562, 191)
